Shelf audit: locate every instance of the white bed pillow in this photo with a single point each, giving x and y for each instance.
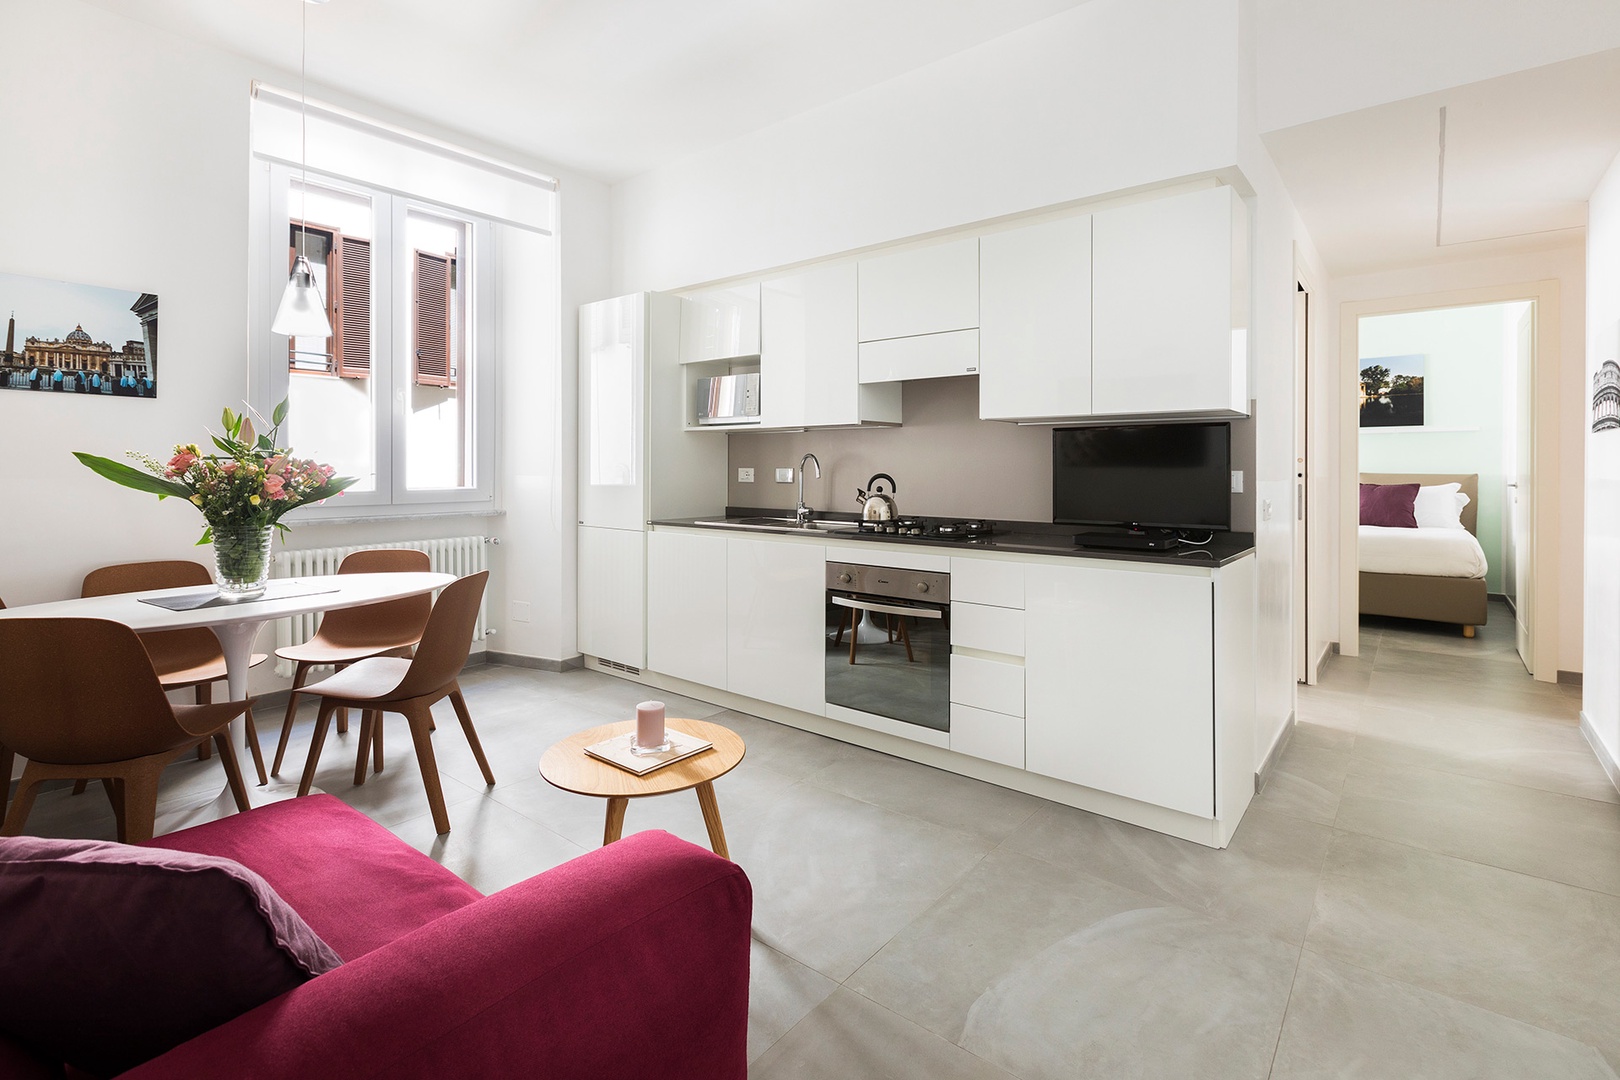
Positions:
(1439, 506)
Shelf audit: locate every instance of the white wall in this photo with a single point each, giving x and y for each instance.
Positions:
(1466, 353)
(1107, 96)
(133, 173)
(1601, 692)
(1566, 264)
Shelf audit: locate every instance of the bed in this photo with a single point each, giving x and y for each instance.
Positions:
(1422, 575)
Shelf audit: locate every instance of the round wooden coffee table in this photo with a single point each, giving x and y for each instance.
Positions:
(566, 765)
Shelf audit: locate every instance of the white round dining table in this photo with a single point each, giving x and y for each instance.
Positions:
(237, 624)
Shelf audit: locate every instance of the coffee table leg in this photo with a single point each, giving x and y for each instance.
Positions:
(615, 819)
(711, 818)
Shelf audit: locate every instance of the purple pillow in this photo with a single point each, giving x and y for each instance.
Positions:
(1389, 505)
(115, 954)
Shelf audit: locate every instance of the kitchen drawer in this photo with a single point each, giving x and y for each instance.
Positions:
(930, 356)
(983, 734)
(987, 684)
(988, 581)
(987, 629)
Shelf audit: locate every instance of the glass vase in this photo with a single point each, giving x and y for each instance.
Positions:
(242, 560)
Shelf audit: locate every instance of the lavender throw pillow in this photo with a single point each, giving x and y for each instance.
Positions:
(1389, 505)
(114, 954)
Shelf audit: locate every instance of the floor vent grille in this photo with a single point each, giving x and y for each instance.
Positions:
(614, 665)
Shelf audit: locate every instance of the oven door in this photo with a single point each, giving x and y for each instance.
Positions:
(890, 658)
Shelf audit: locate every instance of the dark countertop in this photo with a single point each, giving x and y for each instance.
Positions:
(1021, 537)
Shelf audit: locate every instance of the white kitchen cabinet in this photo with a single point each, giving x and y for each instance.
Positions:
(997, 582)
(930, 356)
(987, 684)
(612, 594)
(776, 622)
(987, 629)
(1170, 300)
(1119, 683)
(613, 413)
(1035, 321)
(926, 290)
(686, 606)
(809, 358)
(989, 735)
(718, 324)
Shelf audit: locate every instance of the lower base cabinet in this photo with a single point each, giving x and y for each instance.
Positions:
(1120, 684)
(686, 606)
(612, 594)
(776, 626)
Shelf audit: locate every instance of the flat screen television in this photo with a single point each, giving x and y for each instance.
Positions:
(1166, 476)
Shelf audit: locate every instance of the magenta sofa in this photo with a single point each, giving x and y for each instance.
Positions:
(630, 961)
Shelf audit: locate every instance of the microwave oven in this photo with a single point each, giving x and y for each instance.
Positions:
(728, 399)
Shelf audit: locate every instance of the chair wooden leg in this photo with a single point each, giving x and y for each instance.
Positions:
(233, 769)
(343, 710)
(459, 703)
(854, 632)
(843, 621)
(253, 746)
(419, 717)
(23, 803)
(140, 784)
(300, 676)
(377, 742)
(905, 636)
(368, 731)
(204, 694)
(8, 761)
(316, 740)
(115, 796)
(1468, 631)
(79, 786)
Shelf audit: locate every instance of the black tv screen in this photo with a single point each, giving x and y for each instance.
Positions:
(1168, 476)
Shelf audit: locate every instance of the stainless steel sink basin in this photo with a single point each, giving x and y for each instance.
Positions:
(780, 524)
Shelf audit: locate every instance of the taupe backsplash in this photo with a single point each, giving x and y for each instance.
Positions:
(946, 462)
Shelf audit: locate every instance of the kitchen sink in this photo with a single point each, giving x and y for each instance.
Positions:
(781, 524)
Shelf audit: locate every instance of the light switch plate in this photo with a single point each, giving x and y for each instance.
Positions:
(784, 476)
(1237, 481)
(745, 476)
(520, 611)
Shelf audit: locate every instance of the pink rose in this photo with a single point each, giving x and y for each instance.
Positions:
(272, 487)
(181, 462)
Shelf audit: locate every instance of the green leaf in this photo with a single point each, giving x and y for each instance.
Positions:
(280, 413)
(119, 473)
(207, 536)
(229, 448)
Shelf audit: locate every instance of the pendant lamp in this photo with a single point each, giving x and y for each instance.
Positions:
(302, 312)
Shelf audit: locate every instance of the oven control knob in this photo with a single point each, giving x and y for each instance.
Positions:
(922, 586)
(844, 578)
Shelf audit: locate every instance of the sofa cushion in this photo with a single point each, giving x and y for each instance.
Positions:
(114, 954)
(355, 883)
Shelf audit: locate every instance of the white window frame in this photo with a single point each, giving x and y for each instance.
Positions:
(391, 367)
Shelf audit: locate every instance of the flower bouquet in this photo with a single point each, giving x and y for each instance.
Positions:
(243, 491)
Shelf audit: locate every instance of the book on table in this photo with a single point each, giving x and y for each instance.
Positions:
(616, 751)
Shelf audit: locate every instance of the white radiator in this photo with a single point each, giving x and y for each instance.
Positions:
(458, 555)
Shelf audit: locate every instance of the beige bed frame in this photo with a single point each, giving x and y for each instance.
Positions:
(1415, 596)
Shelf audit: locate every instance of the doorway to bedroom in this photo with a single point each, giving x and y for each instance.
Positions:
(1440, 446)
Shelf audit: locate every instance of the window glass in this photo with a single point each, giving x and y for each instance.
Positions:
(438, 449)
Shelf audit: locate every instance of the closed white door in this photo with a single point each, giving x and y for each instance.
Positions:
(1119, 683)
(612, 413)
(1035, 321)
(922, 291)
(686, 606)
(775, 622)
(612, 595)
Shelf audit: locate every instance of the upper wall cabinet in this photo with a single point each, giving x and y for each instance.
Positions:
(922, 291)
(1035, 321)
(1170, 306)
(718, 324)
(809, 360)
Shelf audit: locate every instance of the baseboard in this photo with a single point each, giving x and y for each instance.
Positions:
(1571, 678)
(1610, 765)
(1275, 754)
(1329, 651)
(537, 663)
(1499, 596)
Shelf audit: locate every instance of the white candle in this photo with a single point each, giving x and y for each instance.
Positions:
(650, 723)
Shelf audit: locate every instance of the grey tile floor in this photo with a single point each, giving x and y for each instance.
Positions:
(1429, 886)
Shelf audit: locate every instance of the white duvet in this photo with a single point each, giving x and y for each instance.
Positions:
(1427, 551)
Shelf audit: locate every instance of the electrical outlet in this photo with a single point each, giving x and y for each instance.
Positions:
(520, 611)
(745, 476)
(1265, 509)
(1237, 481)
(784, 476)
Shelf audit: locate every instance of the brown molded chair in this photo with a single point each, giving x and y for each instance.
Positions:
(390, 628)
(83, 702)
(182, 658)
(410, 687)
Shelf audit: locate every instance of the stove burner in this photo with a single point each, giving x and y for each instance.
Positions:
(963, 530)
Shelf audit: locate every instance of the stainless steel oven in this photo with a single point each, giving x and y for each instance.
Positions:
(889, 643)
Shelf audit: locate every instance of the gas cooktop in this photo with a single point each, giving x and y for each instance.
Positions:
(930, 528)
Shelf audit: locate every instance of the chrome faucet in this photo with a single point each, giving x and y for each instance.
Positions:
(803, 512)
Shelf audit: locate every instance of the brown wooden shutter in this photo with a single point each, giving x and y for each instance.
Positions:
(352, 308)
(434, 358)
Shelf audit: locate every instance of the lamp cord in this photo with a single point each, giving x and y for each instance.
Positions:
(303, 133)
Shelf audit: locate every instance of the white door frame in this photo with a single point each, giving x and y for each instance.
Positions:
(1545, 494)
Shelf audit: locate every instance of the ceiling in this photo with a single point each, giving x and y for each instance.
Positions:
(1522, 154)
(610, 88)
